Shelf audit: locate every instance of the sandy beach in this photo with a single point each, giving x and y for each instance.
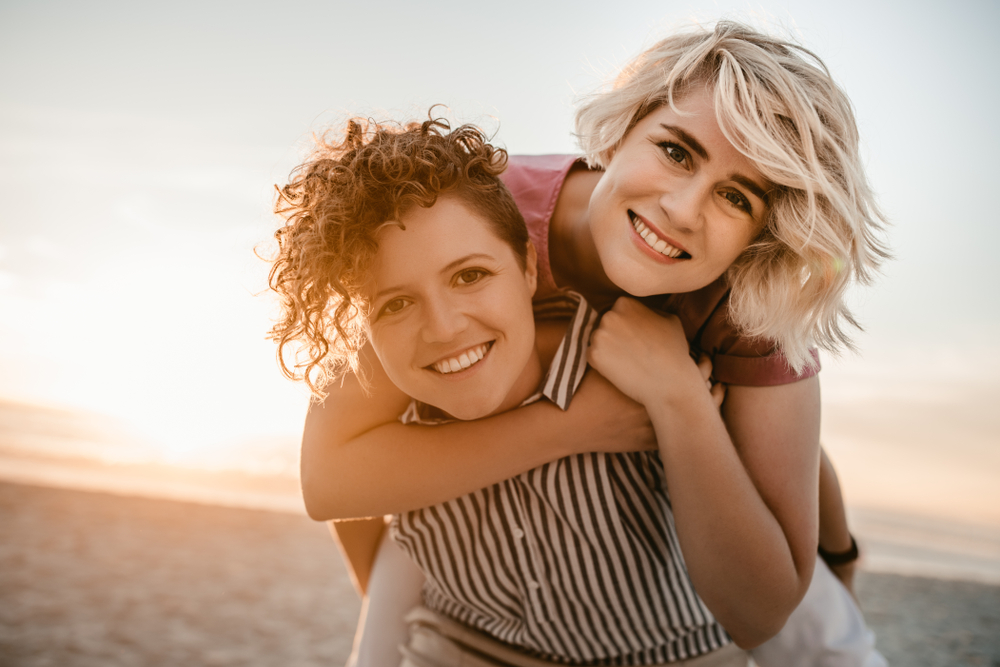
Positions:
(90, 578)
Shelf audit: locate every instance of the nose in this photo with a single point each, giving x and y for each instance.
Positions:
(442, 320)
(685, 204)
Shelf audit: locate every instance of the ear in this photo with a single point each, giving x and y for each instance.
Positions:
(531, 268)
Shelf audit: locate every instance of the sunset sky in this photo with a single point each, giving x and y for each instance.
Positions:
(140, 144)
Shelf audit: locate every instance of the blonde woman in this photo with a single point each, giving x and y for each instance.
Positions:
(722, 173)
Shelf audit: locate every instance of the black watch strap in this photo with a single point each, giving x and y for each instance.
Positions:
(843, 558)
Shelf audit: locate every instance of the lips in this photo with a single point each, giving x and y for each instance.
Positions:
(463, 360)
(658, 244)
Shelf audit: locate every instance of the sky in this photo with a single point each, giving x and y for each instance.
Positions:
(140, 144)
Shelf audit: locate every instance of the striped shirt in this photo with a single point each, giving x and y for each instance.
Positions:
(576, 561)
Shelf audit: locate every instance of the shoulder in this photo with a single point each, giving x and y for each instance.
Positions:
(535, 181)
(523, 167)
(737, 359)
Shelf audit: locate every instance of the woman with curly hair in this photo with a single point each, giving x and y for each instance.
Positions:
(722, 173)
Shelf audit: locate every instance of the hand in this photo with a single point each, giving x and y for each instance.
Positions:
(608, 420)
(716, 389)
(645, 354)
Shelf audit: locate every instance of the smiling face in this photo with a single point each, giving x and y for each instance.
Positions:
(677, 204)
(451, 317)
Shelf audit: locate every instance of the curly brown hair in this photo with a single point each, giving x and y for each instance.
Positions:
(334, 205)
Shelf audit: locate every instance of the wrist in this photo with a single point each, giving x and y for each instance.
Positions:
(834, 535)
(681, 422)
(679, 398)
(836, 559)
(550, 435)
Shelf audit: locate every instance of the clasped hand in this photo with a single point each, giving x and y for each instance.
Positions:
(646, 356)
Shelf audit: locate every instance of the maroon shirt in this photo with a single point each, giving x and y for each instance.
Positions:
(536, 180)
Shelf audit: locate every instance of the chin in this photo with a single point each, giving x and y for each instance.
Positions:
(630, 279)
(466, 410)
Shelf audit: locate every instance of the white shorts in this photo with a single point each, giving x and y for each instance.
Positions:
(394, 588)
(826, 629)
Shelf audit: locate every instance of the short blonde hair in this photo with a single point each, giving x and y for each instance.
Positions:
(778, 105)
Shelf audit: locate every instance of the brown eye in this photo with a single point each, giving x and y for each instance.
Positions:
(392, 307)
(673, 151)
(469, 276)
(738, 200)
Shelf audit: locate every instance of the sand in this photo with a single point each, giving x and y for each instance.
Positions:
(98, 579)
(90, 578)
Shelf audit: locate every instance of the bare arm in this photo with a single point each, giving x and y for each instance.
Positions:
(834, 535)
(358, 540)
(359, 461)
(743, 484)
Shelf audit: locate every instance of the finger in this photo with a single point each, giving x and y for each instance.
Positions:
(705, 366)
(718, 392)
(623, 304)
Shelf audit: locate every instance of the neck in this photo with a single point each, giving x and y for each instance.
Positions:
(526, 384)
(549, 334)
(572, 252)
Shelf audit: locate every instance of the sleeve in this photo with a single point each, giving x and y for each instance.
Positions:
(763, 371)
(736, 358)
(535, 182)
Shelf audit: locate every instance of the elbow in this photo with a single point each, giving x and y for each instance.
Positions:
(751, 627)
(752, 630)
(753, 635)
(316, 511)
(329, 500)
(316, 498)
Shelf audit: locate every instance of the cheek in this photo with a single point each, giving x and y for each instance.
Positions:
(741, 243)
(391, 349)
(729, 241)
(606, 234)
(527, 327)
(600, 200)
(517, 320)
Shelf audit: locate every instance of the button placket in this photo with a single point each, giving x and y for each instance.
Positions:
(538, 591)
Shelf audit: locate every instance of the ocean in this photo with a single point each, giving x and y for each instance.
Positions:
(930, 526)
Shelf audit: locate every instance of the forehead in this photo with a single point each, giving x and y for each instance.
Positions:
(426, 241)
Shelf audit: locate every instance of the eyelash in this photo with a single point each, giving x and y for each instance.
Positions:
(384, 310)
(480, 273)
(744, 203)
(668, 147)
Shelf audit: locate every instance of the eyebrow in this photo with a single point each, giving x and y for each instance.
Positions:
(450, 267)
(688, 139)
(751, 186)
(757, 191)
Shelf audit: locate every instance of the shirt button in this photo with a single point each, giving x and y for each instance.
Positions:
(533, 585)
(518, 533)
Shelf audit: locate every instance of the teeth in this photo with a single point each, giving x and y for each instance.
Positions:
(652, 240)
(462, 361)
